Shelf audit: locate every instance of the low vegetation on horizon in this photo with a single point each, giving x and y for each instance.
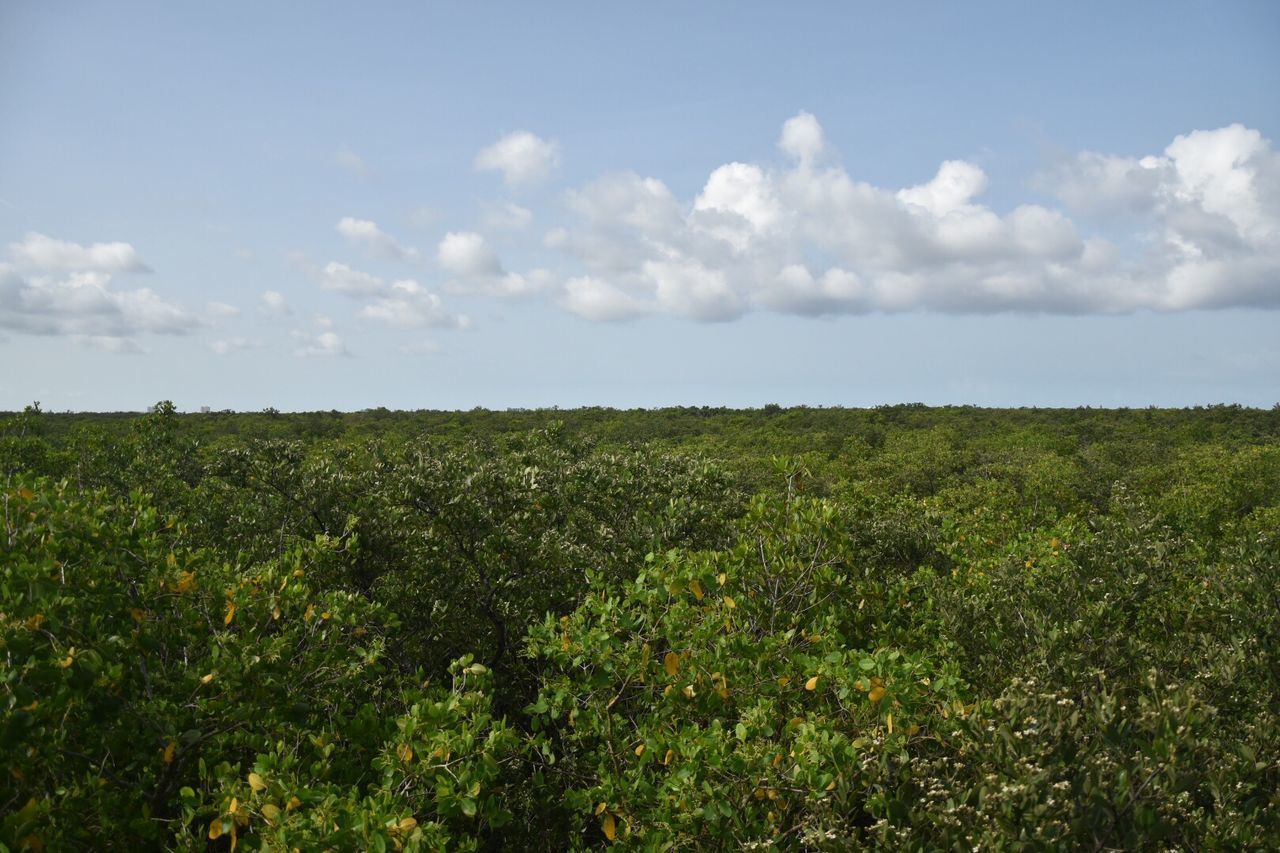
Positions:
(788, 628)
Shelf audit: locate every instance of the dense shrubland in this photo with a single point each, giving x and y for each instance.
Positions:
(800, 629)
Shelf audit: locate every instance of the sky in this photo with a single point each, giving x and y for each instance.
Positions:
(426, 205)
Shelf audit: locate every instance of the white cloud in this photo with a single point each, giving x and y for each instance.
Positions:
(523, 159)
(349, 282)
(109, 343)
(322, 344)
(809, 239)
(273, 302)
(363, 232)
(36, 251)
(234, 345)
(84, 305)
(465, 253)
(408, 305)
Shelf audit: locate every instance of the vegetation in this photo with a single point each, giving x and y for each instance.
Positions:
(786, 628)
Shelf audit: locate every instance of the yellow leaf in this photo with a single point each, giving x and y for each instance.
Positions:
(408, 824)
(293, 803)
(600, 809)
(721, 578)
(137, 614)
(913, 730)
(26, 494)
(1055, 542)
(889, 722)
(234, 807)
(31, 706)
(325, 615)
(729, 602)
(185, 581)
(231, 613)
(689, 692)
(405, 752)
(671, 663)
(205, 679)
(666, 759)
(67, 661)
(639, 750)
(876, 694)
(256, 783)
(564, 642)
(169, 751)
(275, 612)
(811, 684)
(215, 829)
(311, 609)
(297, 573)
(815, 638)
(610, 827)
(723, 692)
(784, 681)
(697, 590)
(172, 560)
(271, 812)
(831, 786)
(34, 622)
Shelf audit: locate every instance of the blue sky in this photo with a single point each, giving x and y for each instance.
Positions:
(321, 205)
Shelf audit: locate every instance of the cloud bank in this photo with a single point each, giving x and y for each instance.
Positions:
(1197, 226)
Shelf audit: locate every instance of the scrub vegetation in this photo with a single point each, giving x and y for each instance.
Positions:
(803, 629)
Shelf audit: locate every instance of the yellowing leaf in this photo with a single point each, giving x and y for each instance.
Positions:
(67, 661)
(889, 722)
(639, 750)
(689, 692)
(205, 679)
(325, 615)
(234, 807)
(34, 622)
(811, 684)
(784, 681)
(231, 613)
(729, 602)
(1055, 542)
(671, 663)
(26, 494)
(876, 694)
(256, 783)
(31, 706)
(271, 812)
(311, 609)
(610, 827)
(408, 824)
(275, 611)
(293, 803)
(666, 759)
(721, 578)
(215, 829)
(600, 809)
(171, 560)
(137, 614)
(697, 590)
(564, 642)
(185, 581)
(169, 751)
(405, 752)
(913, 730)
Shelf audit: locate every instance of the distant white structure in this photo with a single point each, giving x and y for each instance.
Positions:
(204, 410)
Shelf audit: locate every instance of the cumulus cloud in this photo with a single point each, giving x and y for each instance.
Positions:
(363, 232)
(403, 303)
(56, 287)
(523, 158)
(273, 302)
(475, 268)
(39, 252)
(805, 237)
(325, 343)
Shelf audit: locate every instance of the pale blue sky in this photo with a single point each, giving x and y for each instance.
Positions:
(536, 204)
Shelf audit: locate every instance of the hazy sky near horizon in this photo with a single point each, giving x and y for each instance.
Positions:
(421, 205)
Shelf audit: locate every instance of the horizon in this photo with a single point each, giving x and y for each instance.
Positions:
(443, 209)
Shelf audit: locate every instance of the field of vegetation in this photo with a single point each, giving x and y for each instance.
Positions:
(803, 629)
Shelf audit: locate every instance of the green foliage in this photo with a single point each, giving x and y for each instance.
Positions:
(925, 629)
